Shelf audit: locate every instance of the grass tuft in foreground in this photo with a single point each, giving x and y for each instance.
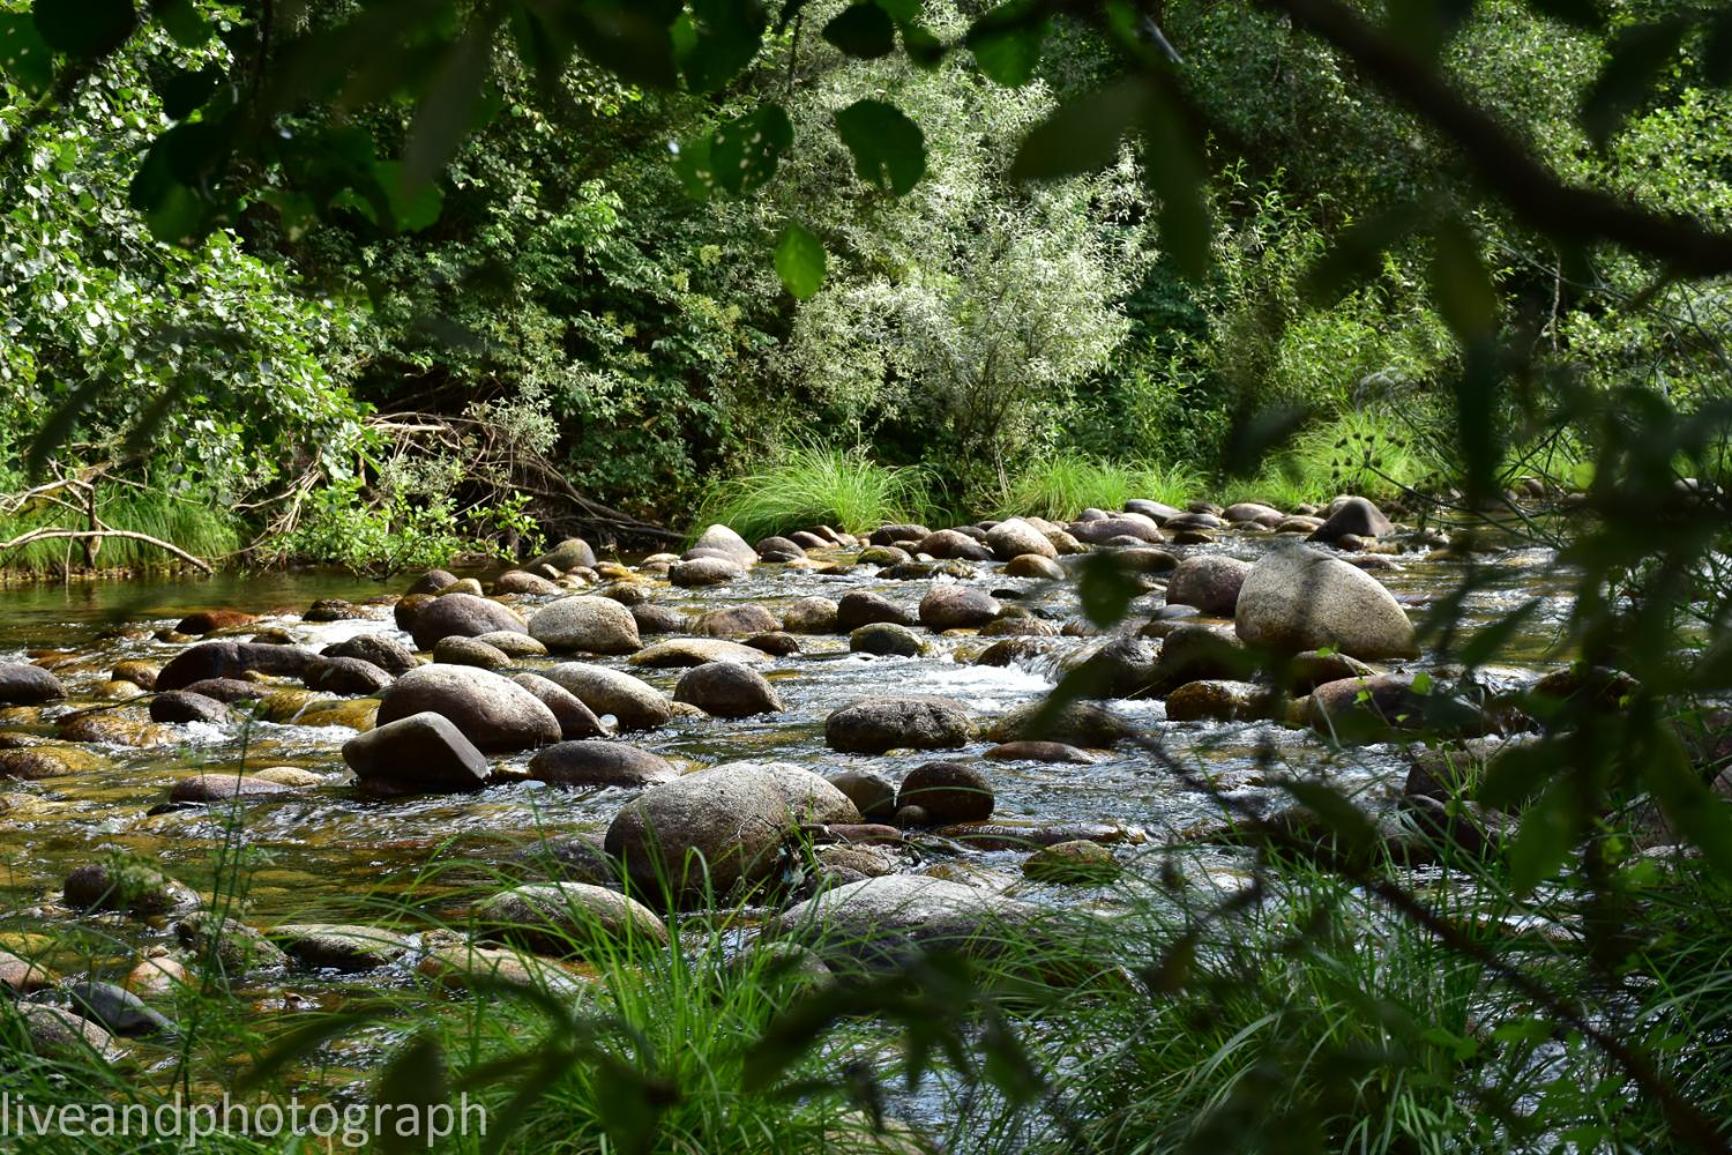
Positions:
(1060, 487)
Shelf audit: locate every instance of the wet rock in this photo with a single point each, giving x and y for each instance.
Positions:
(1214, 700)
(381, 650)
(875, 725)
(589, 763)
(113, 728)
(810, 616)
(1298, 599)
(727, 690)
(1197, 519)
(780, 549)
(209, 788)
(347, 676)
(886, 639)
(578, 858)
(344, 947)
(737, 621)
(26, 685)
(512, 645)
(949, 607)
(680, 652)
(456, 651)
(408, 608)
(593, 625)
(949, 544)
(873, 796)
(332, 610)
(157, 973)
(569, 554)
(576, 720)
(706, 571)
(457, 966)
(57, 1033)
(724, 541)
(290, 776)
(232, 660)
(117, 1010)
(635, 703)
(47, 761)
(22, 976)
(524, 584)
(1193, 651)
(1253, 512)
(462, 615)
(235, 947)
(1015, 836)
(898, 531)
(1114, 668)
(570, 919)
(431, 582)
(1209, 582)
(1306, 671)
(861, 608)
(1374, 708)
(226, 690)
(776, 643)
(177, 706)
(210, 621)
(912, 817)
(1039, 752)
(462, 586)
(140, 673)
(1595, 687)
(493, 712)
(1102, 531)
(421, 753)
(1074, 724)
(1015, 650)
(127, 885)
(1145, 560)
(1019, 627)
(1352, 515)
(728, 821)
(1157, 511)
(1031, 565)
(1299, 524)
(884, 555)
(948, 792)
(1015, 538)
(882, 921)
(653, 619)
(1072, 862)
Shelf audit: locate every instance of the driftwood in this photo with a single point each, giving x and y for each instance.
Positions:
(90, 535)
(96, 531)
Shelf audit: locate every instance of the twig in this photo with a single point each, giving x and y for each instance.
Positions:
(88, 535)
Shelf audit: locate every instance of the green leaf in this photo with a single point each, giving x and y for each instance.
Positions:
(1105, 588)
(1694, 811)
(1354, 256)
(1460, 284)
(413, 207)
(1006, 41)
(24, 56)
(889, 149)
(696, 170)
(184, 92)
(1547, 833)
(1354, 832)
(290, 1048)
(1638, 56)
(1082, 134)
(1174, 168)
(182, 20)
(744, 153)
(446, 113)
(724, 37)
(84, 28)
(413, 1081)
(56, 432)
(862, 30)
(800, 260)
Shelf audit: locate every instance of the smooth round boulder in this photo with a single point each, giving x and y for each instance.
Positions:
(431, 582)
(57, 1033)
(569, 554)
(1103, 530)
(463, 614)
(633, 702)
(382, 650)
(1033, 565)
(737, 622)
(951, 606)
(512, 645)
(576, 720)
(585, 624)
(423, 753)
(526, 584)
(886, 639)
(719, 539)
(813, 615)
(589, 763)
(205, 789)
(1077, 861)
(872, 796)
(22, 684)
(177, 706)
(346, 676)
(948, 792)
(570, 919)
(888, 921)
(654, 619)
(1297, 599)
(898, 531)
(679, 652)
(705, 571)
(953, 544)
(352, 949)
(493, 712)
(1075, 724)
(1219, 700)
(1038, 752)
(1254, 513)
(875, 725)
(780, 549)
(125, 884)
(721, 830)
(1015, 538)
(862, 608)
(232, 660)
(1209, 581)
(727, 690)
(1357, 516)
(203, 622)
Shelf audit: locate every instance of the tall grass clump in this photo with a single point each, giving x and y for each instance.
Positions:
(1061, 486)
(810, 485)
(197, 523)
(1361, 451)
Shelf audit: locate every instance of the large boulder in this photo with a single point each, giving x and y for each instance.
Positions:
(345, 676)
(493, 712)
(953, 544)
(423, 753)
(880, 921)
(600, 764)
(576, 720)
(1298, 599)
(708, 570)
(1209, 582)
(462, 614)
(727, 690)
(947, 792)
(875, 725)
(589, 624)
(886, 639)
(634, 703)
(26, 685)
(720, 541)
(739, 621)
(1074, 724)
(862, 608)
(950, 606)
(1115, 667)
(1016, 537)
(382, 650)
(813, 615)
(724, 827)
(570, 919)
(1352, 515)
(1125, 525)
(231, 660)
(567, 555)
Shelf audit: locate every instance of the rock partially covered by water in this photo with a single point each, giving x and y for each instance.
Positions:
(948, 792)
(874, 797)
(730, 820)
(950, 606)
(879, 921)
(345, 676)
(493, 712)
(1298, 599)
(727, 690)
(21, 976)
(340, 947)
(875, 725)
(1074, 724)
(812, 615)
(204, 622)
(235, 947)
(463, 614)
(185, 706)
(720, 541)
(421, 753)
(47, 761)
(22, 684)
(739, 621)
(1352, 515)
(862, 608)
(570, 919)
(591, 763)
(635, 703)
(1015, 537)
(457, 651)
(588, 624)
(1372, 709)
(1219, 700)
(953, 544)
(1079, 861)
(124, 884)
(231, 660)
(886, 639)
(57, 1033)
(382, 650)
(680, 652)
(208, 788)
(576, 720)
(567, 555)
(117, 1010)
(1209, 582)
(707, 570)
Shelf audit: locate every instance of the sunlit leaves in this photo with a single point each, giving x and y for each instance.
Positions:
(1006, 42)
(84, 28)
(800, 260)
(889, 149)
